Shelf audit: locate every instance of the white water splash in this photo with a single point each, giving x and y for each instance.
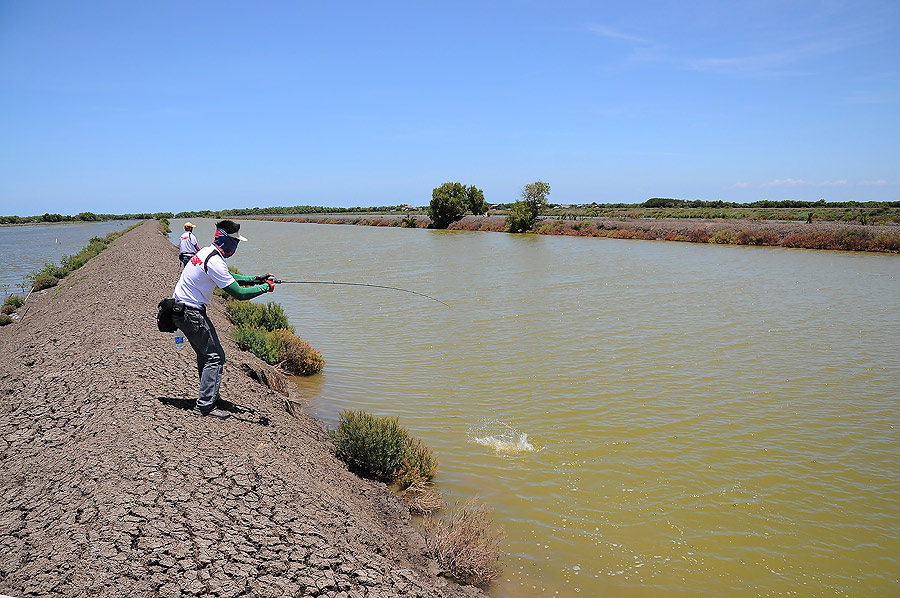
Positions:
(502, 437)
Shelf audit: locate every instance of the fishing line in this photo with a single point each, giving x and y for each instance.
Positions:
(358, 284)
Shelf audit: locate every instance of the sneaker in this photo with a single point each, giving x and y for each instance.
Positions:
(217, 413)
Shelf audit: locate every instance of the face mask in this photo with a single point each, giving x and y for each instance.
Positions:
(225, 242)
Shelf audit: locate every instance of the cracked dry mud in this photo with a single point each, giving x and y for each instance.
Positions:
(109, 486)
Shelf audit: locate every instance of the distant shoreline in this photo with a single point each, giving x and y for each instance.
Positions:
(818, 234)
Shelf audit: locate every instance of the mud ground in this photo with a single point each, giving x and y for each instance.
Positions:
(109, 486)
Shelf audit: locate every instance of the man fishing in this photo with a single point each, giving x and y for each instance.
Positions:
(205, 271)
(189, 245)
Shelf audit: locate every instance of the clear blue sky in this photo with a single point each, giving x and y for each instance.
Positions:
(127, 106)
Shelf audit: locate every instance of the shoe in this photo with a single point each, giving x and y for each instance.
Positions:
(217, 413)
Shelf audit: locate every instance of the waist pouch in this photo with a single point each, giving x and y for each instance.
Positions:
(164, 314)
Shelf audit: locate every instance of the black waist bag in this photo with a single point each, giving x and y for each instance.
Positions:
(164, 315)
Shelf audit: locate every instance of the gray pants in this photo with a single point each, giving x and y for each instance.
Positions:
(201, 333)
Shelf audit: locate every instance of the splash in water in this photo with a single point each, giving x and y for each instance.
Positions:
(502, 437)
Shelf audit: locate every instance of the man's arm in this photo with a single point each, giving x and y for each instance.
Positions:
(238, 292)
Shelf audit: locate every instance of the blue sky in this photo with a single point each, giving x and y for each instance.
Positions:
(167, 106)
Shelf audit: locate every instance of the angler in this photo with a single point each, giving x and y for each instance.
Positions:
(188, 244)
(205, 271)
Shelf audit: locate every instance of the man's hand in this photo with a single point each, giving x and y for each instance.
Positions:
(271, 284)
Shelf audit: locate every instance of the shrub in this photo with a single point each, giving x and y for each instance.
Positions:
(258, 341)
(15, 300)
(723, 237)
(465, 545)
(44, 281)
(698, 235)
(5, 319)
(758, 237)
(296, 355)
(7, 308)
(409, 221)
(886, 242)
(270, 316)
(381, 448)
(55, 271)
(421, 499)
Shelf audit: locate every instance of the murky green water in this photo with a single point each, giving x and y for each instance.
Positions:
(646, 418)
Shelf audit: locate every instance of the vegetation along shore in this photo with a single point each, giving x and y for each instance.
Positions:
(111, 487)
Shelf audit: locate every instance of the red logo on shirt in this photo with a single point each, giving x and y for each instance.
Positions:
(196, 260)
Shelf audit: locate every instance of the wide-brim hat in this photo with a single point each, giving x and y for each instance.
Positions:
(188, 225)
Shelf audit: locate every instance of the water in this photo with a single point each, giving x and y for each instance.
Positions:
(645, 418)
(26, 248)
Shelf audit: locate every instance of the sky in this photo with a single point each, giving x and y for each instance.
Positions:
(122, 107)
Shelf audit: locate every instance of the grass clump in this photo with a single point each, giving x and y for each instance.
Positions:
(465, 544)
(379, 447)
(5, 319)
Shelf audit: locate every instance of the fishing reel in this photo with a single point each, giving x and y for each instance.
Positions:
(262, 279)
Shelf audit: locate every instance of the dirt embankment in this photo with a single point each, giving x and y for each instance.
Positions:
(111, 487)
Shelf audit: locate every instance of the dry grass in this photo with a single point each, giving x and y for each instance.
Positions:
(421, 499)
(465, 544)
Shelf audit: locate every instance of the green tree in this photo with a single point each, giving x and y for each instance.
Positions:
(451, 201)
(524, 213)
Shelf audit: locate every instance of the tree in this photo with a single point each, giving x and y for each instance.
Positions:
(451, 201)
(524, 213)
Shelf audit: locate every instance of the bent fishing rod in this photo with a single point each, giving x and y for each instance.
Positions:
(261, 279)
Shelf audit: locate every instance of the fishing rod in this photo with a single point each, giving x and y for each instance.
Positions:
(261, 279)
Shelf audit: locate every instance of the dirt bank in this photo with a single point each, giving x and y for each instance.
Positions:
(111, 487)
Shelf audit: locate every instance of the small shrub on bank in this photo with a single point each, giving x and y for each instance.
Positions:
(465, 544)
(93, 248)
(723, 237)
(7, 309)
(15, 300)
(381, 448)
(296, 355)
(258, 341)
(44, 281)
(421, 499)
(270, 316)
(57, 272)
(758, 237)
(5, 319)
(281, 347)
(699, 235)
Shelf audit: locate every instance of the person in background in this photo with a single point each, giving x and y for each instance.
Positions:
(203, 272)
(189, 245)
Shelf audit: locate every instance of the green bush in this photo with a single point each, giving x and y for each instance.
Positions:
(519, 219)
(5, 319)
(258, 341)
(58, 272)
(7, 309)
(280, 347)
(44, 281)
(381, 448)
(15, 300)
(723, 237)
(270, 316)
